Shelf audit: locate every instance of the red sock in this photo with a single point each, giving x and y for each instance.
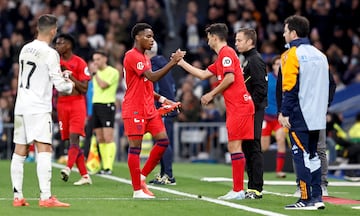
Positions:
(134, 167)
(32, 147)
(238, 168)
(280, 161)
(80, 163)
(155, 156)
(72, 155)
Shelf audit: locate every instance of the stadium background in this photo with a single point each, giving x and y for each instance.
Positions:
(180, 24)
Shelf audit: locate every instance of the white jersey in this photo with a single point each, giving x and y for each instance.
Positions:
(39, 70)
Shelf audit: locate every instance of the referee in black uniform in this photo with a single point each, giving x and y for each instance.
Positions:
(255, 76)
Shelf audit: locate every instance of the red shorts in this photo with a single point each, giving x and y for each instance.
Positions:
(72, 115)
(240, 127)
(138, 126)
(269, 125)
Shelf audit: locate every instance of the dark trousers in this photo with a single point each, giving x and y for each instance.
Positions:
(88, 134)
(307, 162)
(168, 156)
(253, 154)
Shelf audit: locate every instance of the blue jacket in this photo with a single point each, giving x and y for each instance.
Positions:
(305, 86)
(271, 109)
(166, 85)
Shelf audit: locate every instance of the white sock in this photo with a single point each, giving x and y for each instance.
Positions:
(17, 174)
(44, 170)
(142, 177)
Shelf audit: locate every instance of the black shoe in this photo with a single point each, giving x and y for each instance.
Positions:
(156, 179)
(253, 194)
(166, 180)
(65, 173)
(105, 172)
(302, 205)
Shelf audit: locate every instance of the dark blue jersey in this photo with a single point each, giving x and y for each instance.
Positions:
(166, 85)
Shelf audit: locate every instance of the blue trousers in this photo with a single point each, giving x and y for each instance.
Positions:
(168, 156)
(307, 162)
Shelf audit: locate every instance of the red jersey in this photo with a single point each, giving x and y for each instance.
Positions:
(139, 95)
(78, 67)
(72, 108)
(237, 99)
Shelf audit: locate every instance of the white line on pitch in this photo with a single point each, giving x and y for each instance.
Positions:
(269, 182)
(208, 199)
(106, 198)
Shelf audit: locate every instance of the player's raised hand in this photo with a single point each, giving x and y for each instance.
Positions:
(178, 55)
(181, 62)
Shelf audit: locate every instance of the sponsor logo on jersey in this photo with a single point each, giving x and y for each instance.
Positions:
(138, 120)
(140, 65)
(226, 61)
(247, 97)
(86, 71)
(295, 149)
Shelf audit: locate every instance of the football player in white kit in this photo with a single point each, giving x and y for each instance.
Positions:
(39, 71)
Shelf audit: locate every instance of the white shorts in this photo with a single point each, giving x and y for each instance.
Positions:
(34, 127)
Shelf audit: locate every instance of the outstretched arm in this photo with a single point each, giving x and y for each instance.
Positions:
(199, 73)
(156, 75)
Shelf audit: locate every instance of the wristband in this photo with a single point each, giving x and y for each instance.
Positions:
(162, 99)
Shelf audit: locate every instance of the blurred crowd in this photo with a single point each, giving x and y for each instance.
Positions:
(106, 24)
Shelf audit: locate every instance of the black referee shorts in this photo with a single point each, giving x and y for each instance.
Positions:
(103, 115)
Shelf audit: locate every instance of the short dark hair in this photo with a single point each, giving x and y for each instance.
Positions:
(299, 24)
(67, 37)
(138, 27)
(249, 33)
(219, 29)
(273, 59)
(100, 52)
(46, 22)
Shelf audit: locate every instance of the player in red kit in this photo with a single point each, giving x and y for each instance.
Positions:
(138, 109)
(72, 108)
(238, 102)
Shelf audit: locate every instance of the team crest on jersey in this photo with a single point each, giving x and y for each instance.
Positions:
(226, 61)
(247, 97)
(140, 65)
(219, 77)
(139, 127)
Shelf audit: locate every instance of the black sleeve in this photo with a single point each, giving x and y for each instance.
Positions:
(279, 90)
(342, 142)
(332, 88)
(258, 81)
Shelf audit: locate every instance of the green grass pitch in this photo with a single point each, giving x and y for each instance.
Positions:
(112, 195)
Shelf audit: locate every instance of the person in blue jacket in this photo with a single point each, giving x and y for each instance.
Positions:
(164, 87)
